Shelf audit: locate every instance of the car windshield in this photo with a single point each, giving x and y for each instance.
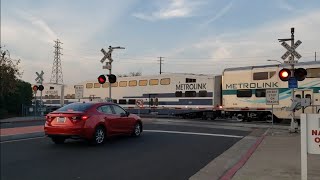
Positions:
(75, 107)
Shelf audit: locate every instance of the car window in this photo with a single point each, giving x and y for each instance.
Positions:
(118, 110)
(75, 107)
(105, 109)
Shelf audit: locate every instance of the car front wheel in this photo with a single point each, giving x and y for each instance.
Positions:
(99, 135)
(137, 130)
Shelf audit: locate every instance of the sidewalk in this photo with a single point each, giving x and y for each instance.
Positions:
(278, 157)
(23, 119)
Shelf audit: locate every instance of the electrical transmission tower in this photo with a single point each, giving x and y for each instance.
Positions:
(56, 74)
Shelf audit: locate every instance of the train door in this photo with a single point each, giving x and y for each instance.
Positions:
(305, 94)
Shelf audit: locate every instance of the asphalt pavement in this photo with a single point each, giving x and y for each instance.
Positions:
(162, 152)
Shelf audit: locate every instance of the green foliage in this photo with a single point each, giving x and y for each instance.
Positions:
(22, 95)
(13, 92)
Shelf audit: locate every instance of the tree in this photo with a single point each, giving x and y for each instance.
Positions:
(131, 74)
(9, 73)
(13, 91)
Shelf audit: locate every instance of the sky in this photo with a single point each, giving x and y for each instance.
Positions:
(192, 36)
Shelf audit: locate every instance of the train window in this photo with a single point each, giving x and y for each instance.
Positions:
(244, 93)
(178, 93)
(105, 85)
(114, 101)
(313, 73)
(114, 84)
(189, 80)
(89, 85)
(203, 93)
(143, 82)
(133, 83)
(165, 81)
(271, 74)
(260, 93)
(123, 84)
(308, 96)
(97, 85)
(153, 82)
(260, 75)
(131, 101)
(190, 94)
(122, 101)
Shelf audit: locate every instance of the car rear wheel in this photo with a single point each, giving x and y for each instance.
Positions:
(58, 140)
(99, 135)
(137, 130)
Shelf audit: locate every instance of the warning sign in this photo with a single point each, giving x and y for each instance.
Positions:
(272, 96)
(313, 133)
(139, 103)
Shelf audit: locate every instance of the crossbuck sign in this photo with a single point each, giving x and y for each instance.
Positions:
(39, 78)
(291, 50)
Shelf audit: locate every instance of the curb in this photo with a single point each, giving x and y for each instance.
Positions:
(3, 139)
(231, 172)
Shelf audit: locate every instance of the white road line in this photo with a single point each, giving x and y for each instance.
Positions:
(24, 139)
(194, 133)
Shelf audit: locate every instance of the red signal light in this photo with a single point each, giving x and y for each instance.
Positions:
(284, 74)
(35, 88)
(102, 79)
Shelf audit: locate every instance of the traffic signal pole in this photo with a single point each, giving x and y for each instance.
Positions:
(295, 74)
(110, 82)
(293, 124)
(108, 55)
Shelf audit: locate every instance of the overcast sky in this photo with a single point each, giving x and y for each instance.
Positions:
(193, 36)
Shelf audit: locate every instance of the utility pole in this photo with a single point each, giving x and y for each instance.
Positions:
(160, 61)
(315, 56)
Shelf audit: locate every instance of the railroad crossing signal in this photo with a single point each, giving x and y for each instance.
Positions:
(39, 78)
(291, 50)
(111, 78)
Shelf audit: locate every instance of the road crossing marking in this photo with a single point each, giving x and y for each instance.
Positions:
(193, 133)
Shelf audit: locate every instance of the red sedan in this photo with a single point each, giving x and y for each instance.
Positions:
(91, 121)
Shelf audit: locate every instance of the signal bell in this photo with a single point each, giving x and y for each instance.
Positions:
(284, 74)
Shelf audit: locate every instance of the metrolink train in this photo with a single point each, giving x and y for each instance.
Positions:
(237, 92)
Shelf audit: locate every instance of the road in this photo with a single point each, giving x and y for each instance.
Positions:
(164, 151)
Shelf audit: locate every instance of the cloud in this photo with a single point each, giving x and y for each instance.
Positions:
(221, 13)
(251, 46)
(42, 26)
(283, 4)
(175, 9)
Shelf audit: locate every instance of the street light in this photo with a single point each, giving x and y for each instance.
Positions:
(274, 61)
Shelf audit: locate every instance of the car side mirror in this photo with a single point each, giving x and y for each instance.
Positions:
(127, 113)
